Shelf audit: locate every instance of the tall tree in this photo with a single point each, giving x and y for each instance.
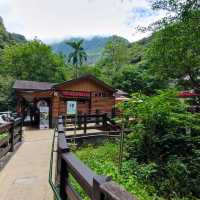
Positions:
(116, 52)
(34, 61)
(175, 51)
(77, 56)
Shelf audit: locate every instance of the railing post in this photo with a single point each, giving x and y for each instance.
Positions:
(85, 123)
(97, 117)
(12, 137)
(97, 181)
(79, 120)
(63, 179)
(20, 131)
(105, 121)
(62, 173)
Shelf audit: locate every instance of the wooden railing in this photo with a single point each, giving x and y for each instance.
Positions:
(13, 131)
(96, 187)
(99, 121)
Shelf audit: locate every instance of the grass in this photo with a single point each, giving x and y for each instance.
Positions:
(3, 135)
(103, 160)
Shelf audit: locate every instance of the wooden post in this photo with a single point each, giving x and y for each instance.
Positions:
(79, 120)
(12, 137)
(20, 131)
(63, 179)
(97, 117)
(97, 181)
(61, 172)
(104, 121)
(58, 166)
(85, 123)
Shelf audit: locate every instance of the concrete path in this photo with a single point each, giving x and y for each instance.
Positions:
(26, 174)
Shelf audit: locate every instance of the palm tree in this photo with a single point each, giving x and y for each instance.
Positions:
(78, 55)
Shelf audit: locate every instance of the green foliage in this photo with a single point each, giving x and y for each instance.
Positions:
(174, 53)
(3, 135)
(6, 83)
(180, 9)
(7, 38)
(133, 79)
(104, 161)
(115, 52)
(33, 61)
(164, 144)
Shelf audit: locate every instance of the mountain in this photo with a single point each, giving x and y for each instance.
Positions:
(93, 47)
(7, 38)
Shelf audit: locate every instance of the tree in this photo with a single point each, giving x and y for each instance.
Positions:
(175, 51)
(34, 61)
(116, 52)
(137, 79)
(7, 38)
(6, 98)
(78, 55)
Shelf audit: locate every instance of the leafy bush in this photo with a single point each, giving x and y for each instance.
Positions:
(104, 161)
(164, 145)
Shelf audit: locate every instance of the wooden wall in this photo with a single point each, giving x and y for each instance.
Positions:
(103, 104)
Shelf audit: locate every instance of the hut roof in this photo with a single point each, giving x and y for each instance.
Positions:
(32, 85)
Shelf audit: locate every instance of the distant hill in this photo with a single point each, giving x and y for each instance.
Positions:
(93, 47)
(7, 38)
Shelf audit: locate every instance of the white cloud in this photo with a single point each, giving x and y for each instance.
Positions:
(55, 19)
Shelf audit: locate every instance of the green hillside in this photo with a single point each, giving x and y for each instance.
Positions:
(7, 38)
(93, 47)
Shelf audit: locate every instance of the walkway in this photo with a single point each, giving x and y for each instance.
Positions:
(26, 174)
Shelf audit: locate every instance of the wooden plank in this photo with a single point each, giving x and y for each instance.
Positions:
(83, 175)
(4, 151)
(62, 144)
(17, 139)
(82, 128)
(71, 193)
(18, 121)
(115, 192)
(97, 181)
(5, 127)
(4, 140)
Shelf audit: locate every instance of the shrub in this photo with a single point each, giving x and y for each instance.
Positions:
(164, 143)
(104, 161)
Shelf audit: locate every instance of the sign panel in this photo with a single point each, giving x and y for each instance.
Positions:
(44, 117)
(44, 114)
(71, 107)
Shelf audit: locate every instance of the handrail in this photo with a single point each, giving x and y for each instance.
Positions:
(96, 187)
(56, 194)
(14, 135)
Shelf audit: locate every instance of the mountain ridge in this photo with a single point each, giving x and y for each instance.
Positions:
(93, 46)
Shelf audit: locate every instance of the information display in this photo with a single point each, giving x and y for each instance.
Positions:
(44, 117)
(71, 107)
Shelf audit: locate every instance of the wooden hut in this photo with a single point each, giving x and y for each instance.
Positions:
(91, 94)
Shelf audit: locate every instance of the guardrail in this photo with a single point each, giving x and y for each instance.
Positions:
(96, 187)
(12, 134)
(99, 121)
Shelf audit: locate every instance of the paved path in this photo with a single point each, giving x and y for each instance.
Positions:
(26, 174)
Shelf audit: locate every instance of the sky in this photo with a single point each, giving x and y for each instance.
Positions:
(54, 20)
